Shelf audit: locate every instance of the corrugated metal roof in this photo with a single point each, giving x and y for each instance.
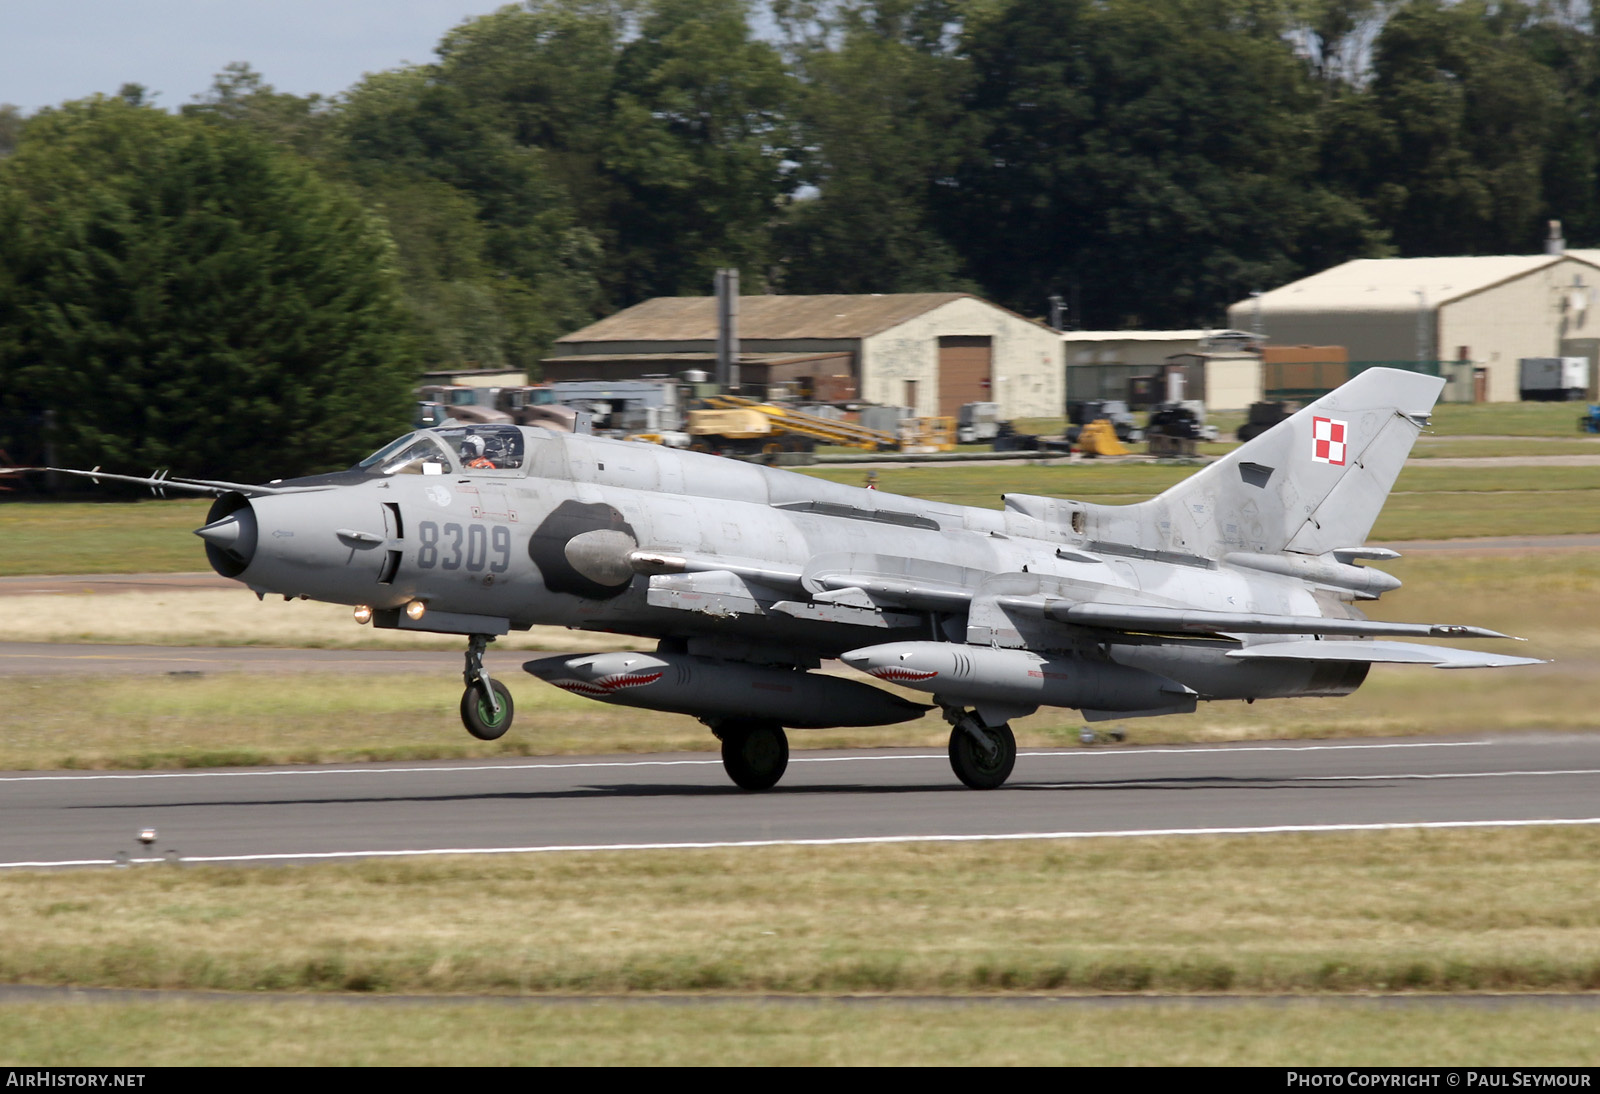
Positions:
(1391, 284)
(696, 358)
(694, 318)
(1142, 335)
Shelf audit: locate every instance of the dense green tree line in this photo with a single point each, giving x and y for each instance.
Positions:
(1151, 160)
(179, 294)
(1154, 160)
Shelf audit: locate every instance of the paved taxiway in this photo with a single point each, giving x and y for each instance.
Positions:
(567, 802)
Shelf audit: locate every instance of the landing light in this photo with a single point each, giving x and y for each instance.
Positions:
(415, 609)
(363, 614)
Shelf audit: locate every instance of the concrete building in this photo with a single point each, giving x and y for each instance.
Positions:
(1101, 362)
(1223, 381)
(929, 351)
(1470, 319)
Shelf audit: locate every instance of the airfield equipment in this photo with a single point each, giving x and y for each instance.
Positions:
(978, 422)
(462, 403)
(1174, 430)
(1088, 411)
(1262, 417)
(1237, 583)
(752, 419)
(1099, 438)
(1554, 379)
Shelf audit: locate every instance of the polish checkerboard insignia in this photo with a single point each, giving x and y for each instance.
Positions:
(1327, 441)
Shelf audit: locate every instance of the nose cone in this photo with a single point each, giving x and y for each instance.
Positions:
(587, 667)
(222, 533)
(896, 662)
(862, 659)
(230, 541)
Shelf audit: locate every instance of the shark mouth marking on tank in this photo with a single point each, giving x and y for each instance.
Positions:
(607, 685)
(896, 673)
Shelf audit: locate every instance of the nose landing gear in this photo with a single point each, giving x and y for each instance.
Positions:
(486, 707)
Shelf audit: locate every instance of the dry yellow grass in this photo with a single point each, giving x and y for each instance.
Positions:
(1303, 1033)
(240, 719)
(204, 617)
(1506, 910)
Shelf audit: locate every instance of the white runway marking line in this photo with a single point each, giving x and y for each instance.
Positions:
(842, 841)
(280, 772)
(1310, 778)
(1449, 775)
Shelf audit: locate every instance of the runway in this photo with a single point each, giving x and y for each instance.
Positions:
(684, 800)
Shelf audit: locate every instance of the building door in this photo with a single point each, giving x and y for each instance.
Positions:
(911, 396)
(965, 371)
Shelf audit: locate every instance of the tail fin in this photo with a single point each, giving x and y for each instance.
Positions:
(1310, 484)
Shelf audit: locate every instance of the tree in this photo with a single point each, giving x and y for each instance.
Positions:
(543, 71)
(185, 295)
(883, 125)
(1158, 154)
(423, 147)
(10, 128)
(1454, 155)
(1564, 43)
(696, 144)
(239, 95)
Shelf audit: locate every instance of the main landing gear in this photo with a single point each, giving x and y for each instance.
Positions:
(486, 708)
(981, 756)
(755, 752)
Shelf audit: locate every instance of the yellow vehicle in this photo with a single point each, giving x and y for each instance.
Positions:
(733, 425)
(1099, 438)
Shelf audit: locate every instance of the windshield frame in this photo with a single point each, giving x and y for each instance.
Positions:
(396, 457)
(507, 448)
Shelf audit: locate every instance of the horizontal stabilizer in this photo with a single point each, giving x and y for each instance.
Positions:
(1396, 653)
(1178, 621)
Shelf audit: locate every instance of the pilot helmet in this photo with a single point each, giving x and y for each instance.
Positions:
(472, 448)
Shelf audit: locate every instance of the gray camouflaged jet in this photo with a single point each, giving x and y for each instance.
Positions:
(1237, 583)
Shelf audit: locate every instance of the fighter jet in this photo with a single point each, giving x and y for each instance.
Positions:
(1241, 582)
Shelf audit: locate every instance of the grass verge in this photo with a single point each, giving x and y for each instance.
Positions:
(233, 617)
(238, 720)
(1507, 419)
(101, 537)
(1503, 447)
(1302, 1033)
(1480, 910)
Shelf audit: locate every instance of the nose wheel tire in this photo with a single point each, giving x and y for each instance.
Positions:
(754, 753)
(980, 767)
(479, 716)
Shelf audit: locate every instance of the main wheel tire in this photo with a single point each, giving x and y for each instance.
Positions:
(977, 767)
(480, 719)
(754, 753)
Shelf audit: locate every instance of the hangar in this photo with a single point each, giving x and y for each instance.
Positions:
(928, 351)
(1451, 316)
(1220, 366)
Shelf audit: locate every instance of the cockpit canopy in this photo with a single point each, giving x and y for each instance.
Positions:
(451, 450)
